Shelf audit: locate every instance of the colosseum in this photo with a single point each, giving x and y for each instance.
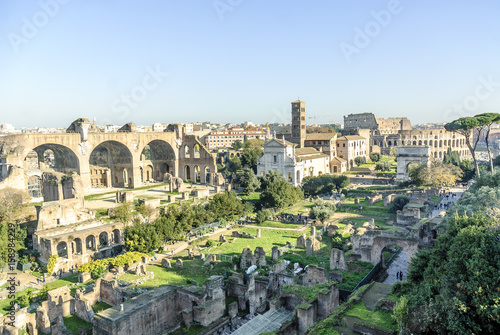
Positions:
(393, 132)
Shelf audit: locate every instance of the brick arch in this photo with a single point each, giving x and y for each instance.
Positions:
(380, 242)
(65, 159)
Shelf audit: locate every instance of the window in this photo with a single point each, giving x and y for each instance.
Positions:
(275, 158)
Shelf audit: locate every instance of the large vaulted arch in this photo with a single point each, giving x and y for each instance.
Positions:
(159, 155)
(52, 156)
(111, 165)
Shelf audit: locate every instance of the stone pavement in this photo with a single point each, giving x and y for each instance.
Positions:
(398, 264)
(458, 191)
(263, 323)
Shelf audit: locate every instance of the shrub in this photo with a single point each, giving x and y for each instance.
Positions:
(210, 243)
(360, 160)
(375, 157)
(52, 264)
(399, 202)
(383, 166)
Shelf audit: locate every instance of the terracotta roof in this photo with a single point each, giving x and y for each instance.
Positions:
(340, 160)
(320, 136)
(308, 153)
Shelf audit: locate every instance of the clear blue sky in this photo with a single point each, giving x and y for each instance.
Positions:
(237, 60)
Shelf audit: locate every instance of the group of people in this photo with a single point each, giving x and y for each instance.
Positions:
(399, 275)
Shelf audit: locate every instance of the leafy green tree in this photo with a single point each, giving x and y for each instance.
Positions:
(250, 156)
(142, 238)
(234, 164)
(486, 120)
(466, 126)
(383, 166)
(467, 167)
(226, 206)
(123, 212)
(262, 215)
(322, 210)
(324, 184)
(451, 157)
(360, 160)
(437, 174)
(399, 202)
(248, 180)
(375, 157)
(453, 289)
(237, 145)
(280, 194)
(270, 177)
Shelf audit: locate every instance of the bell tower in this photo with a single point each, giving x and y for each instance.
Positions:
(298, 123)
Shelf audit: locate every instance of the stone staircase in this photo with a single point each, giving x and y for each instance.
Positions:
(262, 323)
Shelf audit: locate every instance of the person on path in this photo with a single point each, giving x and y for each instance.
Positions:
(401, 275)
(397, 275)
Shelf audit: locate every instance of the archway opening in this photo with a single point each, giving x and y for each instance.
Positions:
(116, 236)
(207, 175)
(196, 151)
(90, 242)
(103, 239)
(187, 173)
(160, 157)
(394, 260)
(35, 187)
(77, 246)
(62, 249)
(197, 174)
(54, 157)
(111, 162)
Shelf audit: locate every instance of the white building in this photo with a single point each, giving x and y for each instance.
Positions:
(293, 163)
(226, 138)
(350, 147)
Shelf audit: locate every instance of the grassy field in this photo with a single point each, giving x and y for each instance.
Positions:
(375, 210)
(269, 238)
(299, 207)
(73, 323)
(378, 317)
(276, 224)
(192, 270)
(5, 303)
(100, 306)
(252, 197)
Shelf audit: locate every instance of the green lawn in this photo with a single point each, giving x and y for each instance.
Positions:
(100, 306)
(63, 282)
(252, 197)
(299, 207)
(276, 224)
(73, 323)
(269, 238)
(5, 303)
(174, 276)
(357, 271)
(378, 317)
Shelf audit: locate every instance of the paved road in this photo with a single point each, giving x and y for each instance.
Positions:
(458, 191)
(399, 264)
